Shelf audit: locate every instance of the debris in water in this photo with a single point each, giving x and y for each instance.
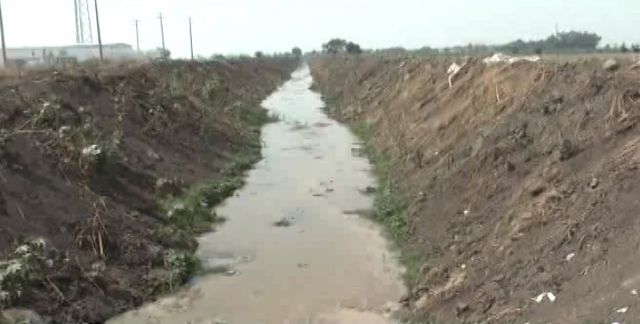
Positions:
(284, 222)
(634, 292)
(622, 310)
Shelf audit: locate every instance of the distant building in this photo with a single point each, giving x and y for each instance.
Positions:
(49, 55)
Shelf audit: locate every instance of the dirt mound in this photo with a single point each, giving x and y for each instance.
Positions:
(519, 180)
(89, 161)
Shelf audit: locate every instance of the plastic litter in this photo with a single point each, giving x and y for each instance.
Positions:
(538, 299)
(570, 257)
(623, 310)
(452, 71)
(502, 58)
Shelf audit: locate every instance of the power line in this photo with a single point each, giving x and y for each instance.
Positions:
(164, 48)
(4, 46)
(84, 30)
(191, 38)
(137, 35)
(99, 33)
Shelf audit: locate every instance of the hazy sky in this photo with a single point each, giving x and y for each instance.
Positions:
(244, 26)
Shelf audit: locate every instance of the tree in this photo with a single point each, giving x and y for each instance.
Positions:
(296, 51)
(339, 45)
(259, 54)
(635, 48)
(334, 46)
(623, 48)
(353, 48)
(165, 54)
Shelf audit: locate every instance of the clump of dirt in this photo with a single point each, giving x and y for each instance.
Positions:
(521, 180)
(98, 164)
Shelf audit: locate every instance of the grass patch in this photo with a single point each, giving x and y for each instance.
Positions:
(390, 206)
(193, 213)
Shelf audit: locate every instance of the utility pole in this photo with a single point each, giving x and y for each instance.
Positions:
(137, 36)
(191, 38)
(4, 46)
(99, 33)
(164, 48)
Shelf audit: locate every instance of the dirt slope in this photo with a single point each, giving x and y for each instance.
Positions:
(87, 157)
(521, 179)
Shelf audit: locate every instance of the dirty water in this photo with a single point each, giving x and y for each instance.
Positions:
(324, 264)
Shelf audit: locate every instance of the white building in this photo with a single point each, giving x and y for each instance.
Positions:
(36, 56)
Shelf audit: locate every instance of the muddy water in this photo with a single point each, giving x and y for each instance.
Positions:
(328, 265)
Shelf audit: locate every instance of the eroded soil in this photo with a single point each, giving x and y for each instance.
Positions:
(520, 180)
(87, 158)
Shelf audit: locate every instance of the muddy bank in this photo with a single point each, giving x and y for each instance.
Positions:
(98, 171)
(518, 181)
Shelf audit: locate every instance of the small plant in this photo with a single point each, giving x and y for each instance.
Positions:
(181, 266)
(26, 265)
(49, 114)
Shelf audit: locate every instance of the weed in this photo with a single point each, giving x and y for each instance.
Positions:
(26, 265)
(182, 265)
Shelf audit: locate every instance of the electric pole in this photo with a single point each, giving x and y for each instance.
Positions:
(4, 46)
(191, 38)
(99, 33)
(137, 36)
(164, 48)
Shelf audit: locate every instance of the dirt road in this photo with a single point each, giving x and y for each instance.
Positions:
(293, 249)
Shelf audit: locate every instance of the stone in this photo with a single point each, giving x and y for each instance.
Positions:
(20, 316)
(594, 183)
(611, 65)
(461, 308)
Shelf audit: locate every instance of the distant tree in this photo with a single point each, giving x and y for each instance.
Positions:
(623, 48)
(564, 41)
(353, 48)
(635, 48)
(164, 54)
(296, 51)
(259, 54)
(538, 51)
(334, 46)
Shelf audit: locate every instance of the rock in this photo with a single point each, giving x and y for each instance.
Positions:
(165, 186)
(567, 150)
(370, 190)
(155, 157)
(461, 308)
(20, 316)
(594, 183)
(611, 65)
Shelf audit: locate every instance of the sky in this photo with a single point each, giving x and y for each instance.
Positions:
(246, 26)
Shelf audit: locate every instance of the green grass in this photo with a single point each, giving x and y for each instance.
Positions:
(390, 206)
(193, 212)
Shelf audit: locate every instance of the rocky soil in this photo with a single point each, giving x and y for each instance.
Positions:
(520, 183)
(107, 174)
